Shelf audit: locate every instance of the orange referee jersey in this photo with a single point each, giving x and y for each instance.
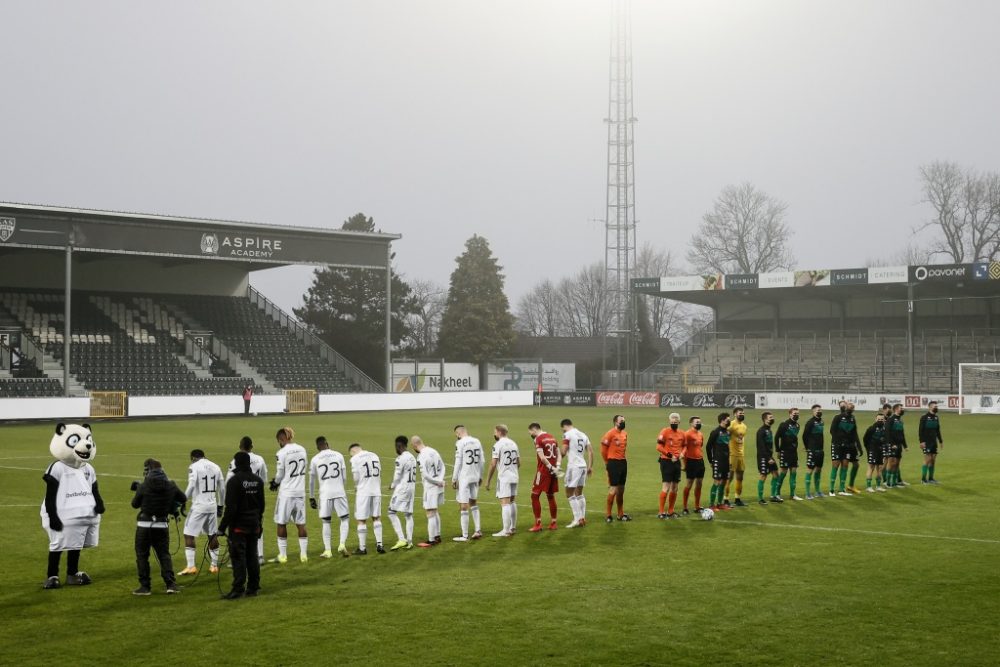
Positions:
(670, 444)
(613, 444)
(692, 444)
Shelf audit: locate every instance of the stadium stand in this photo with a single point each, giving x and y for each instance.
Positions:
(826, 360)
(136, 343)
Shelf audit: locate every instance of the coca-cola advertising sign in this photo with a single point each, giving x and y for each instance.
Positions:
(633, 399)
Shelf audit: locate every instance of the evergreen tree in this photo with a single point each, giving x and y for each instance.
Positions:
(476, 325)
(346, 308)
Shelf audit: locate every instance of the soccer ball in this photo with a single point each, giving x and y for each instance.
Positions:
(707, 514)
(255, 414)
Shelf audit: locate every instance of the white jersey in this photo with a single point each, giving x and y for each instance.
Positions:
(405, 477)
(576, 448)
(431, 468)
(328, 472)
(204, 484)
(291, 471)
(75, 502)
(469, 460)
(258, 466)
(506, 455)
(367, 470)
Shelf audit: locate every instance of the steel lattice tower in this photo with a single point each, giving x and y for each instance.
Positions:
(619, 219)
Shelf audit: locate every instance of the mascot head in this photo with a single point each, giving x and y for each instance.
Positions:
(73, 444)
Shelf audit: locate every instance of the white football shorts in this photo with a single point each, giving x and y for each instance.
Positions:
(506, 489)
(575, 478)
(467, 492)
(433, 497)
(290, 510)
(201, 523)
(330, 506)
(402, 501)
(367, 507)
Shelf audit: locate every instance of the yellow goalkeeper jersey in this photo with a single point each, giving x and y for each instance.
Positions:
(737, 436)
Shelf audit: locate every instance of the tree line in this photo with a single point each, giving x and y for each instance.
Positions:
(746, 230)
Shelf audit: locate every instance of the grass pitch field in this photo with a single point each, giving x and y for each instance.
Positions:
(907, 577)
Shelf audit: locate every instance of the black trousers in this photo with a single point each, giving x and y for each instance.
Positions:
(157, 539)
(246, 567)
(246, 406)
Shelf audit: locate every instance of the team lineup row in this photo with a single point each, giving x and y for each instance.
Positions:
(681, 452)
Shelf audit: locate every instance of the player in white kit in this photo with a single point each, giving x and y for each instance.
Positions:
(466, 478)
(579, 455)
(290, 483)
(404, 483)
(327, 471)
(258, 466)
(207, 494)
(367, 470)
(432, 475)
(505, 463)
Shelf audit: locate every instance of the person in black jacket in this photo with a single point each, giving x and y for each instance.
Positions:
(930, 441)
(156, 498)
(243, 518)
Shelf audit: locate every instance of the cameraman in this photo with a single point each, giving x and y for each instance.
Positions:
(243, 516)
(157, 498)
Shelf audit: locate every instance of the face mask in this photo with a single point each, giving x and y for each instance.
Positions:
(769, 422)
(795, 418)
(673, 426)
(933, 411)
(697, 427)
(901, 412)
(850, 412)
(740, 418)
(819, 414)
(621, 425)
(843, 408)
(496, 437)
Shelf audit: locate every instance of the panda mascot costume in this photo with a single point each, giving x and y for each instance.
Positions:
(72, 509)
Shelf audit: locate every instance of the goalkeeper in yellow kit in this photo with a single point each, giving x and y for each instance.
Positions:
(737, 462)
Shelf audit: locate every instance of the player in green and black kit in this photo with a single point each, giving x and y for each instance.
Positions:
(718, 455)
(765, 460)
(896, 435)
(788, 453)
(846, 448)
(930, 441)
(875, 443)
(812, 440)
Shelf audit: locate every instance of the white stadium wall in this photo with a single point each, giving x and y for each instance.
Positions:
(161, 406)
(44, 408)
(419, 401)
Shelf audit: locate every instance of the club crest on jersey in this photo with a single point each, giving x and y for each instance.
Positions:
(7, 227)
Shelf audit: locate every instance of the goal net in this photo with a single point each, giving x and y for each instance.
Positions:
(979, 388)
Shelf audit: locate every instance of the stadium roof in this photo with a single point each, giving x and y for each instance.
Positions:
(115, 232)
(977, 280)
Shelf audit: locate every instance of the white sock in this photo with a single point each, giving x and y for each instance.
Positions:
(505, 516)
(513, 516)
(345, 530)
(214, 554)
(303, 545)
(377, 525)
(409, 527)
(283, 546)
(190, 553)
(362, 535)
(437, 525)
(327, 535)
(464, 522)
(396, 526)
(581, 502)
(260, 547)
(430, 528)
(574, 503)
(475, 518)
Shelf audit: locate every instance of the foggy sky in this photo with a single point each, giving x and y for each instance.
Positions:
(444, 119)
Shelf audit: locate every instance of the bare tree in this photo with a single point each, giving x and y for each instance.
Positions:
(745, 232)
(539, 311)
(428, 301)
(911, 254)
(966, 207)
(664, 314)
(585, 302)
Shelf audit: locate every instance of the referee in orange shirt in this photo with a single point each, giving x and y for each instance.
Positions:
(670, 445)
(613, 446)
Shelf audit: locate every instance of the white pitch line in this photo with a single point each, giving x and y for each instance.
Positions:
(885, 533)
